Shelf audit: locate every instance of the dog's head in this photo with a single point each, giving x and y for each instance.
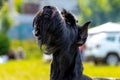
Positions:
(45, 22)
(58, 30)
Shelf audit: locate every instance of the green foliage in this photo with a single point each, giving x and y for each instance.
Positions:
(18, 5)
(30, 48)
(6, 20)
(6, 23)
(99, 11)
(1, 3)
(115, 13)
(4, 44)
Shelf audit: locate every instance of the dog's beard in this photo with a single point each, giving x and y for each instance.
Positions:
(46, 26)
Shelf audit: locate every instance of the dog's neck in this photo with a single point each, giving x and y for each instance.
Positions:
(66, 66)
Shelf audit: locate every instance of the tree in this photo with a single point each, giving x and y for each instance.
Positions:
(99, 11)
(1, 3)
(18, 5)
(5, 18)
(5, 24)
(4, 44)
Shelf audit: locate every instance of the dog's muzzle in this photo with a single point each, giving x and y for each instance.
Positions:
(47, 11)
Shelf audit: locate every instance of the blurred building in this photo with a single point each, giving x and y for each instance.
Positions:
(23, 21)
(70, 5)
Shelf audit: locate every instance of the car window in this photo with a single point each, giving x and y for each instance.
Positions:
(111, 38)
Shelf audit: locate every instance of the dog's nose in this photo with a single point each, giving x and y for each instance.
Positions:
(48, 7)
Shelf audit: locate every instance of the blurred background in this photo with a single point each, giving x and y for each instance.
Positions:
(20, 56)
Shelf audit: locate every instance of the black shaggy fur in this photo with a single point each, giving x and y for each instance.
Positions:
(62, 37)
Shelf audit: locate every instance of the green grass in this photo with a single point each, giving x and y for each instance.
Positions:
(30, 48)
(102, 70)
(24, 70)
(37, 69)
(34, 68)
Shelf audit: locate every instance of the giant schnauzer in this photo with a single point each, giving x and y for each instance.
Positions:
(61, 35)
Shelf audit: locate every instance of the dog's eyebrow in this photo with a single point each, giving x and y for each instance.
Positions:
(36, 17)
(54, 11)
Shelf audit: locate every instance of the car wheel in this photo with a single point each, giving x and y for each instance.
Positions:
(112, 59)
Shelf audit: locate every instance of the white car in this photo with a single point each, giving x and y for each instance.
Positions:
(103, 47)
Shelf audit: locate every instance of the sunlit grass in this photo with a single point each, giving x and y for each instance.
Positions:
(30, 47)
(37, 69)
(102, 70)
(24, 70)
(34, 68)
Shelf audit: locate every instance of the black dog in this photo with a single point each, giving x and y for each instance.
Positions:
(61, 36)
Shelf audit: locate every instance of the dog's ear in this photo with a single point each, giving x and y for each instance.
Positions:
(83, 33)
(69, 18)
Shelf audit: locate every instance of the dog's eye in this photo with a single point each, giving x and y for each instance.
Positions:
(33, 32)
(37, 33)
